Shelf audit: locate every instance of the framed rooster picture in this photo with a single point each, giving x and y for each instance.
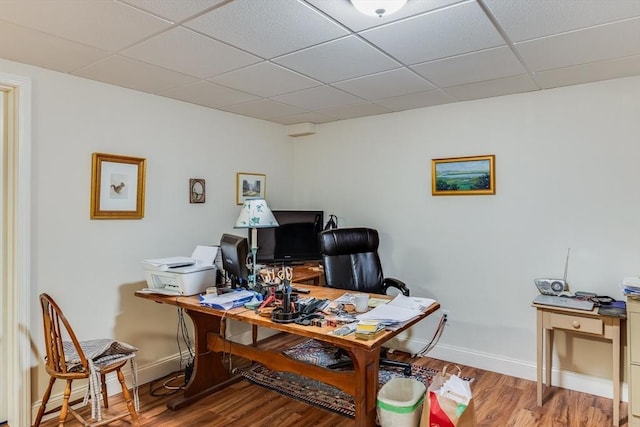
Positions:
(117, 186)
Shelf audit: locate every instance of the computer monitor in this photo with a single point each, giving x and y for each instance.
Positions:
(295, 240)
(234, 259)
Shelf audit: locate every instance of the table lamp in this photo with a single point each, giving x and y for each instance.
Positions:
(255, 214)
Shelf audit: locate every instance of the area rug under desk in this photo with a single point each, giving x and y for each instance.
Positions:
(316, 392)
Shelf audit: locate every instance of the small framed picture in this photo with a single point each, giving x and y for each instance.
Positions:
(250, 186)
(196, 190)
(463, 176)
(117, 186)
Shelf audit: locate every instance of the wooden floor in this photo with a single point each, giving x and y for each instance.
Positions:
(500, 400)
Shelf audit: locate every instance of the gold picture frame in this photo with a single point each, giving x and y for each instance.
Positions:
(250, 186)
(117, 186)
(196, 190)
(463, 176)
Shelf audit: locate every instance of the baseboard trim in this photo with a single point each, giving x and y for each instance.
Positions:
(516, 368)
(489, 362)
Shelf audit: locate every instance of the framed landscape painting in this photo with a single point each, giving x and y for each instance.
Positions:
(250, 186)
(463, 176)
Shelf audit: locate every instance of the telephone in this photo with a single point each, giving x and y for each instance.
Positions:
(551, 286)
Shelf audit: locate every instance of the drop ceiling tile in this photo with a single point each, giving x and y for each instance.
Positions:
(311, 117)
(190, 53)
(525, 20)
(471, 67)
(349, 16)
(88, 22)
(263, 109)
(416, 100)
(174, 10)
(208, 94)
(337, 60)
(446, 32)
(44, 50)
(318, 98)
(356, 110)
(385, 85)
(583, 46)
(491, 88)
(585, 73)
(129, 73)
(265, 79)
(267, 28)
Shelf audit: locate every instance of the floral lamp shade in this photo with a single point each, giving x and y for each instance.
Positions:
(255, 214)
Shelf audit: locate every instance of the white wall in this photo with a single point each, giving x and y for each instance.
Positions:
(92, 267)
(566, 177)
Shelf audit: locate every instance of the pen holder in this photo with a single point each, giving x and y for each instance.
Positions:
(279, 316)
(293, 296)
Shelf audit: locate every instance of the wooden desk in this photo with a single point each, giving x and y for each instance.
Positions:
(587, 323)
(209, 374)
(311, 274)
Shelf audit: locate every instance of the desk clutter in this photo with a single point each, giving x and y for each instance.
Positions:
(351, 313)
(560, 296)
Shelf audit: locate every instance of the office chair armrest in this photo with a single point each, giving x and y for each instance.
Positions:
(389, 282)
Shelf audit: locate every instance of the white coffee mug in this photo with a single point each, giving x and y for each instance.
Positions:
(361, 302)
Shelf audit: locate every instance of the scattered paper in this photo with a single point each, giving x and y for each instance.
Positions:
(205, 255)
(456, 389)
(414, 303)
(228, 300)
(171, 262)
(390, 313)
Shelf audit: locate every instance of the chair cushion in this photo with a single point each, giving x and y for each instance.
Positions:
(102, 352)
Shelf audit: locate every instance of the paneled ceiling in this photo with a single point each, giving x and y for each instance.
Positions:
(294, 61)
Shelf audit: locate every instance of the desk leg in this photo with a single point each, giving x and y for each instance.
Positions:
(209, 374)
(548, 352)
(365, 366)
(616, 371)
(539, 349)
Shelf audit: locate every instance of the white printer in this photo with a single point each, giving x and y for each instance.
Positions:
(182, 275)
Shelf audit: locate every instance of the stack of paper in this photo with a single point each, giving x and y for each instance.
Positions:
(369, 329)
(631, 286)
(227, 301)
(398, 311)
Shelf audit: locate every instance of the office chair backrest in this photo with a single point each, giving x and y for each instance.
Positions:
(351, 261)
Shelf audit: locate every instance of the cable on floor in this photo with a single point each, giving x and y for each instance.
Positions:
(165, 386)
(434, 340)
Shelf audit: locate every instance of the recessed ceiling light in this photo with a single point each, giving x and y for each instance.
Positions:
(378, 7)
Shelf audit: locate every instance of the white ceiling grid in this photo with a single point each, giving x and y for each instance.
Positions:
(293, 61)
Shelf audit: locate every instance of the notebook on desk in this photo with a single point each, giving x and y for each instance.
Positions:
(564, 302)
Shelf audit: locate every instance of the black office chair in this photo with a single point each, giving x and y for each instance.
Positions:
(351, 262)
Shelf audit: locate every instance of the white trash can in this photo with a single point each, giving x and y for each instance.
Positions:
(400, 403)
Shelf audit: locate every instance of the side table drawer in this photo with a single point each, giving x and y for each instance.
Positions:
(573, 322)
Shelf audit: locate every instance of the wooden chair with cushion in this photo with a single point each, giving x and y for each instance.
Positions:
(69, 359)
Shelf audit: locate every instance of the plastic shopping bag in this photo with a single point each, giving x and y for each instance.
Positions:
(449, 402)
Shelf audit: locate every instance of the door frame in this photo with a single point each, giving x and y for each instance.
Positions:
(15, 273)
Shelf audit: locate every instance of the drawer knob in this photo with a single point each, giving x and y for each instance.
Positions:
(576, 324)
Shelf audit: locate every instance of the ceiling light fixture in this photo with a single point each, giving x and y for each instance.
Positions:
(378, 7)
